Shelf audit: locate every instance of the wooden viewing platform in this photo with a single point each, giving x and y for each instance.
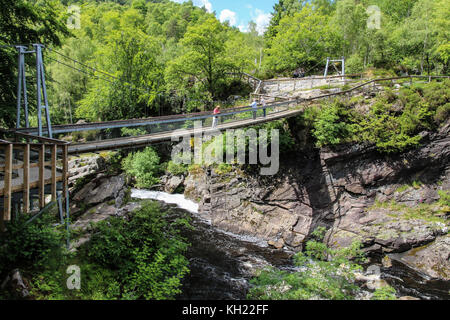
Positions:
(28, 166)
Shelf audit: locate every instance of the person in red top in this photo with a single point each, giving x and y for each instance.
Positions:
(216, 118)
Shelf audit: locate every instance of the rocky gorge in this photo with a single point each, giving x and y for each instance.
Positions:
(354, 192)
(389, 203)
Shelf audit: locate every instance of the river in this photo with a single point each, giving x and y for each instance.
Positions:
(222, 263)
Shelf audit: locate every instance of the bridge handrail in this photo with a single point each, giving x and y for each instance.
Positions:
(245, 74)
(135, 122)
(369, 82)
(27, 136)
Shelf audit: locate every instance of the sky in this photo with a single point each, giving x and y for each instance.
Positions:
(240, 12)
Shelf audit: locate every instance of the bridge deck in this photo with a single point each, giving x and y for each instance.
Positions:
(167, 136)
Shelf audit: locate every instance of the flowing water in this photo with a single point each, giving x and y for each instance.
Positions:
(222, 263)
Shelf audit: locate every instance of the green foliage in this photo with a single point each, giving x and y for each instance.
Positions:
(179, 164)
(223, 168)
(442, 113)
(89, 135)
(24, 22)
(412, 36)
(177, 169)
(332, 125)
(444, 197)
(286, 139)
(203, 57)
(141, 257)
(354, 64)
(393, 122)
(155, 63)
(428, 212)
(146, 253)
(143, 166)
(394, 132)
(37, 244)
(301, 40)
(132, 132)
(384, 293)
(323, 273)
(133, 61)
(165, 57)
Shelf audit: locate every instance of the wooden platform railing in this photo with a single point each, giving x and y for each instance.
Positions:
(17, 156)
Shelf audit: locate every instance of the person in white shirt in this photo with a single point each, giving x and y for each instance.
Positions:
(254, 105)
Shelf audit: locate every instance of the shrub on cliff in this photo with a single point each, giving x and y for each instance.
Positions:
(142, 166)
(393, 122)
(332, 125)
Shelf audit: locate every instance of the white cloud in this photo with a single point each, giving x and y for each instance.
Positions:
(199, 3)
(243, 28)
(228, 15)
(204, 3)
(261, 19)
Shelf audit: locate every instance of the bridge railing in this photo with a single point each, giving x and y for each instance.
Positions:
(373, 82)
(205, 120)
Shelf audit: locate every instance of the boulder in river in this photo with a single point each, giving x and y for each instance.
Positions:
(100, 189)
(173, 183)
(16, 284)
(432, 259)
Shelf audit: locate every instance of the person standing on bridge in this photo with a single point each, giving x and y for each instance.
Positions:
(263, 102)
(254, 106)
(216, 118)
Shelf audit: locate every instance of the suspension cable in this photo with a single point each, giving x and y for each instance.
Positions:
(313, 67)
(84, 65)
(145, 90)
(83, 71)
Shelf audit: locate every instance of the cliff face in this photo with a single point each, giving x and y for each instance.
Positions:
(355, 192)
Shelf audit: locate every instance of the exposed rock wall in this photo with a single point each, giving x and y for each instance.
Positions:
(83, 166)
(288, 86)
(336, 189)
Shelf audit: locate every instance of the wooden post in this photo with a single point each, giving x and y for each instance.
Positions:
(41, 176)
(53, 168)
(8, 183)
(65, 173)
(26, 179)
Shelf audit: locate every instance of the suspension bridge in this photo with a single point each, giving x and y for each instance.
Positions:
(35, 163)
